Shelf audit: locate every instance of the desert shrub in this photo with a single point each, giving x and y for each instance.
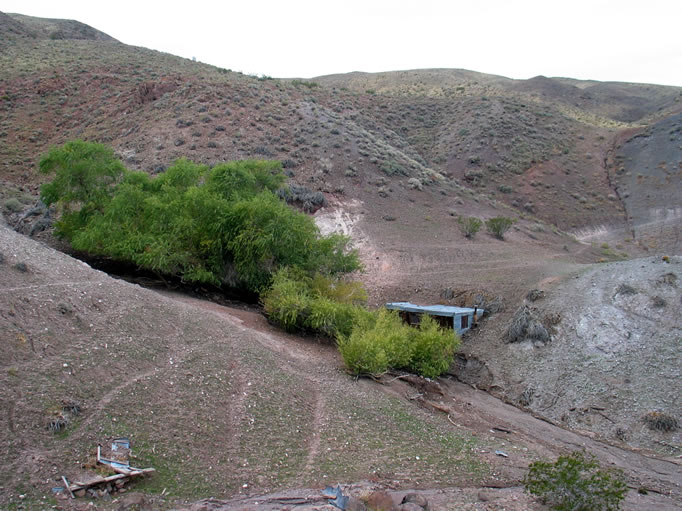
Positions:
(319, 304)
(525, 326)
(505, 189)
(625, 289)
(305, 83)
(381, 341)
(469, 225)
(660, 421)
(415, 184)
(433, 348)
(658, 302)
(498, 225)
(576, 482)
(393, 168)
(222, 225)
(302, 195)
(12, 205)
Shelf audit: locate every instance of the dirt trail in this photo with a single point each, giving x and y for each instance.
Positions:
(474, 409)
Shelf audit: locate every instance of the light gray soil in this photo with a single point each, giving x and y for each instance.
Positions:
(613, 356)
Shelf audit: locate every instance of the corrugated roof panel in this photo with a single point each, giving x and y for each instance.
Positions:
(436, 310)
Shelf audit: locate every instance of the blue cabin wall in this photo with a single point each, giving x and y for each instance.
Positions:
(457, 323)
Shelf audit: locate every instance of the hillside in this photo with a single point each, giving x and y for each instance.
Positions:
(55, 29)
(589, 172)
(222, 404)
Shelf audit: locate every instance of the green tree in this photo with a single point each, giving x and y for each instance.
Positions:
(86, 174)
(222, 225)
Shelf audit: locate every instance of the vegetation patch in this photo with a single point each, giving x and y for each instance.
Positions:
(223, 225)
(498, 226)
(381, 341)
(576, 482)
(660, 421)
(469, 225)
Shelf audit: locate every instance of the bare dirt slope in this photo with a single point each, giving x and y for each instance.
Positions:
(613, 354)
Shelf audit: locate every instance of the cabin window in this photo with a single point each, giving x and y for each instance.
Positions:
(465, 322)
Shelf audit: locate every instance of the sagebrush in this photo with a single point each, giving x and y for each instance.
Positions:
(576, 482)
(498, 226)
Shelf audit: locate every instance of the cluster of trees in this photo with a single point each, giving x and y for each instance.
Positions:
(228, 225)
(223, 225)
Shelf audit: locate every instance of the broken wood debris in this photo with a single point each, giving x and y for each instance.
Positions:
(120, 448)
(501, 430)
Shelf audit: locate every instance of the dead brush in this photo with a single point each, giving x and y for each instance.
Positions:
(660, 421)
(525, 326)
(58, 424)
(61, 417)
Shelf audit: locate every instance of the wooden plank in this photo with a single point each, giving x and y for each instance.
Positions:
(66, 485)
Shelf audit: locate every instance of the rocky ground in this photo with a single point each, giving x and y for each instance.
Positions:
(611, 357)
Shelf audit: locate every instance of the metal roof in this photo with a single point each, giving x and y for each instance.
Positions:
(436, 310)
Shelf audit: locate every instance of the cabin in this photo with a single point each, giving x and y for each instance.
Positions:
(460, 319)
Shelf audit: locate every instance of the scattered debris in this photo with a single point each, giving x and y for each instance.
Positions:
(100, 486)
(339, 499)
(502, 453)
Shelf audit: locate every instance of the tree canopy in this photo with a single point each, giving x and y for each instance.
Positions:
(223, 225)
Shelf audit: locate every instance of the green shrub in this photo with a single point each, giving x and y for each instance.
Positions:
(433, 348)
(298, 302)
(222, 225)
(12, 205)
(498, 226)
(469, 225)
(382, 341)
(576, 482)
(378, 343)
(331, 318)
(342, 291)
(287, 302)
